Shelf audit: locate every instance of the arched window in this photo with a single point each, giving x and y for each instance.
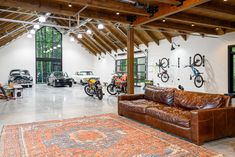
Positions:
(48, 53)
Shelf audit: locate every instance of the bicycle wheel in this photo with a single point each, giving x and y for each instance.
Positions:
(164, 62)
(165, 77)
(198, 81)
(197, 60)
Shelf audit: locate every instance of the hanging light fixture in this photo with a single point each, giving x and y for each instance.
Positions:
(72, 39)
(89, 31)
(42, 19)
(100, 26)
(79, 36)
(32, 31)
(36, 26)
(29, 35)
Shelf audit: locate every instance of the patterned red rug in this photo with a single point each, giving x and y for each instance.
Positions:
(103, 135)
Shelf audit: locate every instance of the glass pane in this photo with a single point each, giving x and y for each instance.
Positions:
(141, 60)
(141, 68)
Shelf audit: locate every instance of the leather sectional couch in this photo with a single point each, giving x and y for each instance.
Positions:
(198, 117)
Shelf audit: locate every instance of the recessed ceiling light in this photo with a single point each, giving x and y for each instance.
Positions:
(32, 31)
(36, 26)
(79, 36)
(117, 13)
(70, 5)
(29, 36)
(100, 26)
(217, 28)
(192, 25)
(88, 31)
(164, 20)
(42, 19)
(225, 0)
(48, 14)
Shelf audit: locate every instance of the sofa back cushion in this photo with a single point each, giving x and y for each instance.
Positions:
(160, 95)
(195, 101)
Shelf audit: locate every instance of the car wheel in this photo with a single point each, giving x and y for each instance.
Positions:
(30, 86)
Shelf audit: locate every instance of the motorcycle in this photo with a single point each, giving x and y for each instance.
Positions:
(94, 88)
(118, 84)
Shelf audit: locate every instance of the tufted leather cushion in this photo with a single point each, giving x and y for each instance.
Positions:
(138, 106)
(196, 101)
(160, 95)
(170, 114)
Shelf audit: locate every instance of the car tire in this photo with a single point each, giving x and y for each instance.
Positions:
(30, 86)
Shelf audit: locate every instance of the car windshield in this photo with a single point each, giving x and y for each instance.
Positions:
(15, 72)
(86, 73)
(60, 74)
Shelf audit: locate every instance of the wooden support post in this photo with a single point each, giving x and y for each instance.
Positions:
(130, 60)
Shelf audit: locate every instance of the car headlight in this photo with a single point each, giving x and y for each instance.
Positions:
(57, 80)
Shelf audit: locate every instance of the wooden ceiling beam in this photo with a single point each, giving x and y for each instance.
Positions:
(182, 27)
(56, 9)
(152, 36)
(137, 42)
(200, 20)
(109, 5)
(102, 37)
(102, 42)
(172, 2)
(91, 43)
(141, 38)
(87, 47)
(167, 36)
(94, 43)
(168, 10)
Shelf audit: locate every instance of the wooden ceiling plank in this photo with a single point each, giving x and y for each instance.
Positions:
(91, 43)
(182, 27)
(110, 5)
(141, 38)
(94, 43)
(102, 42)
(201, 20)
(167, 11)
(172, 2)
(86, 46)
(167, 36)
(137, 42)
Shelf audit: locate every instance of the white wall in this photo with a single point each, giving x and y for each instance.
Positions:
(20, 54)
(215, 71)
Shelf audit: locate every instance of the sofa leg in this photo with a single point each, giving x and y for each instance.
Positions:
(197, 142)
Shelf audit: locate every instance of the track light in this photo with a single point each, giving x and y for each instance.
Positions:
(42, 19)
(100, 26)
(32, 31)
(79, 36)
(89, 31)
(29, 35)
(36, 26)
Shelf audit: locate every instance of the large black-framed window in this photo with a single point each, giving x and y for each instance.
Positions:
(48, 53)
(140, 68)
(231, 69)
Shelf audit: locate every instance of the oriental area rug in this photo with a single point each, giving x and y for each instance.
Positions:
(103, 135)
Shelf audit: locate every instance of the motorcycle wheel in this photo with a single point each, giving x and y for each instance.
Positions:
(112, 89)
(87, 90)
(99, 94)
(198, 81)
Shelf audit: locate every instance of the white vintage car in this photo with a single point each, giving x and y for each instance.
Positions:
(83, 76)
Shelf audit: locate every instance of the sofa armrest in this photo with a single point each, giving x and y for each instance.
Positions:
(209, 124)
(130, 97)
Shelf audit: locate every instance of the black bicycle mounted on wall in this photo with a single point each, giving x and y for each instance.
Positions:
(198, 60)
(163, 74)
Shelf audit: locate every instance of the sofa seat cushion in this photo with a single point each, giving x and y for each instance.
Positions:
(170, 114)
(138, 106)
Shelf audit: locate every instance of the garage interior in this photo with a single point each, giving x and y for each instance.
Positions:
(87, 61)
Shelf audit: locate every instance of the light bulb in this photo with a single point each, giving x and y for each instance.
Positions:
(100, 26)
(88, 31)
(72, 39)
(36, 26)
(79, 36)
(42, 19)
(54, 47)
(58, 45)
(32, 31)
(29, 36)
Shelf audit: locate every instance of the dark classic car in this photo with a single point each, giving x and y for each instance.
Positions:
(21, 77)
(59, 78)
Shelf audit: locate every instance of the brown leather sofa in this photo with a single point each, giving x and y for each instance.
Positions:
(198, 117)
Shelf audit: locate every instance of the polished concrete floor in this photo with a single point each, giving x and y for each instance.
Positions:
(48, 103)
